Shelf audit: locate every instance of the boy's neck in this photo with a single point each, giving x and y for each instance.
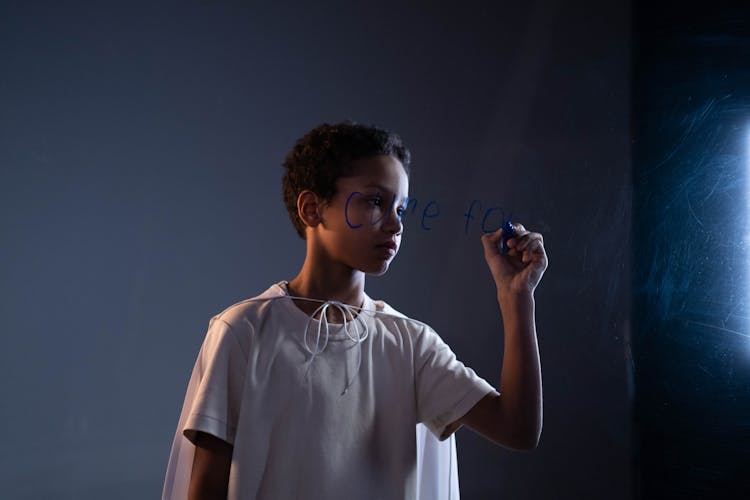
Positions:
(346, 289)
(327, 282)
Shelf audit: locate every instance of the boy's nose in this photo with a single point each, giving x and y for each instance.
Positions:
(393, 223)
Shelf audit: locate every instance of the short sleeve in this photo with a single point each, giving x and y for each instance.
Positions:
(220, 376)
(446, 389)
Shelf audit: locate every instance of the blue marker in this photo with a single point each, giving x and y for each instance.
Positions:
(508, 233)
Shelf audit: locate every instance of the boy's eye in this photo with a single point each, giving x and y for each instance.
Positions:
(377, 201)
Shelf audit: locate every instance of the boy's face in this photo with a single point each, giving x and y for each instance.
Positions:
(362, 224)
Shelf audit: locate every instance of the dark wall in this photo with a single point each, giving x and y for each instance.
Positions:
(140, 152)
(691, 101)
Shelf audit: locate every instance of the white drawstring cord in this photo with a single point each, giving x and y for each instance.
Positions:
(343, 309)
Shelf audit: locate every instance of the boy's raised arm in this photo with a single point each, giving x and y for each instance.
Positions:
(514, 418)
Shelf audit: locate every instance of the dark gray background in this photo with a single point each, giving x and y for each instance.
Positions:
(140, 148)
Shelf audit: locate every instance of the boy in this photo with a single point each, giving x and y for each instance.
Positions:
(314, 390)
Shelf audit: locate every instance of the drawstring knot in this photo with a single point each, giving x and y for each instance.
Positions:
(359, 335)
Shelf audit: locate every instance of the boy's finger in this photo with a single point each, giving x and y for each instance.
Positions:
(535, 251)
(490, 240)
(528, 238)
(494, 236)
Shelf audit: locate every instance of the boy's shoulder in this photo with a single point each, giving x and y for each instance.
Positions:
(384, 307)
(389, 315)
(239, 313)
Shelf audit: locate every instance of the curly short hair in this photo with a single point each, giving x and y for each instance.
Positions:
(326, 153)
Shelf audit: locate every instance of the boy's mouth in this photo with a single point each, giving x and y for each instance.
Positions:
(389, 244)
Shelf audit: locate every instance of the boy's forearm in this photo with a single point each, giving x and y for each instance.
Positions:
(521, 377)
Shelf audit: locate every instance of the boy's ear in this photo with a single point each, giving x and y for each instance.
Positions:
(308, 208)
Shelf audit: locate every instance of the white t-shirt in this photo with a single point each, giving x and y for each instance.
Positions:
(342, 423)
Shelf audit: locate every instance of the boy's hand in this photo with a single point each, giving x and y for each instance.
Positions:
(520, 270)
